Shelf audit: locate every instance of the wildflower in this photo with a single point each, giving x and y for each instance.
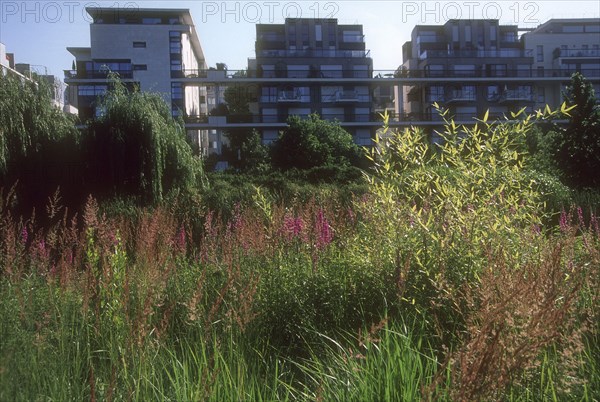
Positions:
(180, 239)
(323, 229)
(292, 227)
(564, 222)
(24, 235)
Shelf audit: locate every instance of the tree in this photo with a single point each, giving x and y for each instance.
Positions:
(577, 148)
(136, 147)
(38, 144)
(311, 142)
(254, 156)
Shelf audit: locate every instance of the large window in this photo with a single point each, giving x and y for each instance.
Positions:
(331, 71)
(175, 42)
(91, 90)
(539, 53)
(352, 36)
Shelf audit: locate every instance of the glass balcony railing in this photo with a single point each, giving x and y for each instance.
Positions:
(501, 53)
(313, 53)
(592, 53)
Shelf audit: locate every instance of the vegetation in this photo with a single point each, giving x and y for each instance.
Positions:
(135, 148)
(311, 142)
(573, 152)
(445, 278)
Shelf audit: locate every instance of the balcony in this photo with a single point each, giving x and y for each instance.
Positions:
(576, 53)
(95, 74)
(501, 53)
(516, 95)
(289, 97)
(321, 53)
(459, 95)
(346, 96)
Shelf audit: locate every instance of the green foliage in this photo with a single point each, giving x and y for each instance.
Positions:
(39, 144)
(457, 197)
(137, 149)
(577, 148)
(311, 142)
(254, 156)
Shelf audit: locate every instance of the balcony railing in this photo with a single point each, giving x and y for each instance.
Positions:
(516, 95)
(593, 53)
(314, 53)
(503, 53)
(95, 74)
(458, 95)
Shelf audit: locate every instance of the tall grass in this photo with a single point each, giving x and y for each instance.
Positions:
(441, 283)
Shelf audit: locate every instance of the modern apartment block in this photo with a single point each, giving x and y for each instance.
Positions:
(471, 66)
(147, 48)
(468, 67)
(313, 66)
(560, 47)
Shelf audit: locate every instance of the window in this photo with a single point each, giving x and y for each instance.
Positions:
(176, 91)
(331, 34)
(318, 33)
(361, 71)
(91, 90)
(464, 70)
(539, 53)
(493, 33)
(151, 21)
(541, 95)
(498, 70)
(435, 93)
(298, 71)
(454, 33)
(352, 36)
(434, 70)
(331, 71)
(292, 35)
(468, 33)
(305, 33)
(540, 71)
(268, 95)
(493, 93)
(175, 65)
(175, 42)
(139, 44)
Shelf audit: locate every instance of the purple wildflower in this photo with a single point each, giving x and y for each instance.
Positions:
(24, 235)
(324, 231)
(564, 222)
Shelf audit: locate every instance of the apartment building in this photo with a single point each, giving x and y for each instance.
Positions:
(467, 67)
(313, 66)
(559, 48)
(149, 49)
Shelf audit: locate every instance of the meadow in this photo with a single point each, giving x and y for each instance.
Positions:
(451, 278)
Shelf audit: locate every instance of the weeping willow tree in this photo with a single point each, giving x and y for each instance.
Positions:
(38, 143)
(136, 148)
(28, 120)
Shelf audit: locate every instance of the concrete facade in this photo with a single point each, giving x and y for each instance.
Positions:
(149, 49)
(560, 47)
(302, 48)
(465, 49)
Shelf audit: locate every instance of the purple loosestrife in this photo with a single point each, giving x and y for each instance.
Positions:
(24, 235)
(564, 222)
(323, 230)
(292, 227)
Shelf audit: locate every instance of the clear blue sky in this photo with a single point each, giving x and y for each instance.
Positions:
(38, 32)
